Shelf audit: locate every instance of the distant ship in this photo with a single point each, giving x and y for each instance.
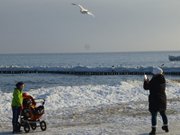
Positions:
(174, 58)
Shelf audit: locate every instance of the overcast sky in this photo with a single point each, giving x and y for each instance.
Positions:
(55, 26)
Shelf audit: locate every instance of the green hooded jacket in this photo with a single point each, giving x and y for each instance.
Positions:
(17, 98)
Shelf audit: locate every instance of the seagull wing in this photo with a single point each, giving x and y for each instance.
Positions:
(89, 13)
(80, 6)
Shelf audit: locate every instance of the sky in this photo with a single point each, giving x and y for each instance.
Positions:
(56, 26)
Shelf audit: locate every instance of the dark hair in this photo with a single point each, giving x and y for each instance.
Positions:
(19, 84)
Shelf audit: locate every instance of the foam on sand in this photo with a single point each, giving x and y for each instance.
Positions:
(92, 109)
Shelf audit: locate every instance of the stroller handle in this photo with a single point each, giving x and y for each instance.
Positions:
(40, 100)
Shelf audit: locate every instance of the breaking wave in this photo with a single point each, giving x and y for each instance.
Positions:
(139, 69)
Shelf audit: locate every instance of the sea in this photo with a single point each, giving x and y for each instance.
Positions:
(75, 61)
(87, 96)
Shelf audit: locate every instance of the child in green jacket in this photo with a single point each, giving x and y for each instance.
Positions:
(17, 106)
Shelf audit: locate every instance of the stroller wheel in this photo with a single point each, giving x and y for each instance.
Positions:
(26, 127)
(43, 125)
(33, 126)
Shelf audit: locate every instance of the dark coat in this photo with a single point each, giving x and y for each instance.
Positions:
(157, 97)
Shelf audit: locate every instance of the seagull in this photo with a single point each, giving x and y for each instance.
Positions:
(83, 10)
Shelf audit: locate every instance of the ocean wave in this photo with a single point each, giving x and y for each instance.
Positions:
(84, 69)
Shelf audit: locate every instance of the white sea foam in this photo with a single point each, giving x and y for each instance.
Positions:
(64, 99)
(139, 69)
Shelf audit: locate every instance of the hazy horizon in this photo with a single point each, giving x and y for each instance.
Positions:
(37, 53)
(43, 26)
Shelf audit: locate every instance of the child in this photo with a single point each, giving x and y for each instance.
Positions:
(17, 106)
(28, 101)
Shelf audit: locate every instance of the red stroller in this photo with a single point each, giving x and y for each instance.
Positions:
(31, 115)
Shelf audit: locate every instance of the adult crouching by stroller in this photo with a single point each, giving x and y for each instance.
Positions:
(157, 98)
(17, 102)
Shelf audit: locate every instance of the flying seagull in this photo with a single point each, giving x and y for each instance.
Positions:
(83, 10)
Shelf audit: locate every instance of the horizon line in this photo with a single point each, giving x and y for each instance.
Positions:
(98, 52)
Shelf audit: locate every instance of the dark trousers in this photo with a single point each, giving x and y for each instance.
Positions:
(16, 113)
(154, 118)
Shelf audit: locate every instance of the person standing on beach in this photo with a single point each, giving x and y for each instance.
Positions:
(157, 98)
(17, 102)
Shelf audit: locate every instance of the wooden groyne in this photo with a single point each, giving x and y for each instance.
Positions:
(83, 72)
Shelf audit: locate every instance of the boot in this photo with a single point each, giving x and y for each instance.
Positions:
(17, 132)
(165, 128)
(16, 128)
(153, 131)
